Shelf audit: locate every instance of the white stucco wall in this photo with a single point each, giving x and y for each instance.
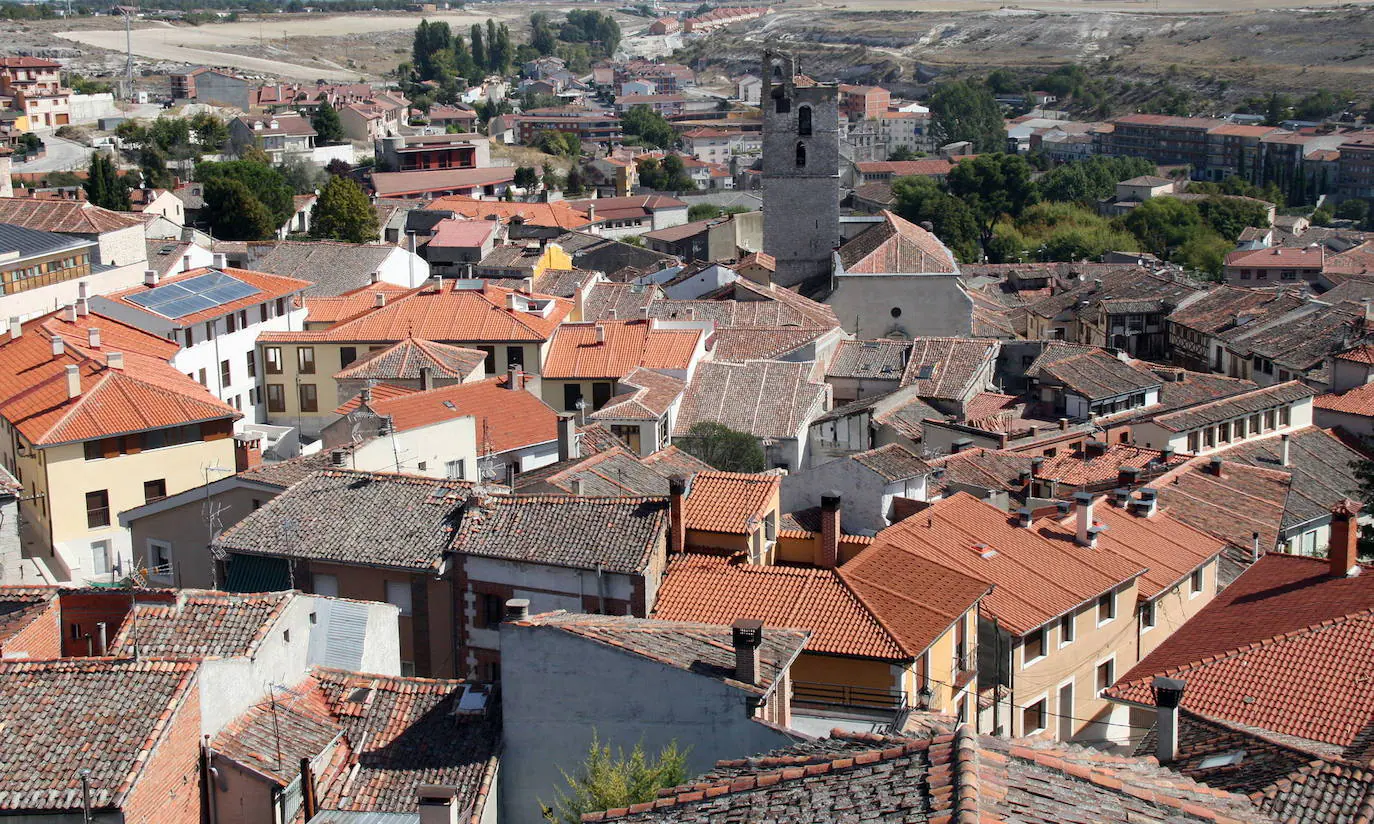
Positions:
(34, 302)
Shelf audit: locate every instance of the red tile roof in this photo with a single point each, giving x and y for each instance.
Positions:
(1078, 469)
(1279, 256)
(394, 184)
(650, 398)
(461, 233)
(270, 287)
(71, 217)
(576, 353)
(337, 308)
(557, 215)
(405, 360)
(716, 590)
(505, 418)
(1357, 401)
(444, 313)
(380, 392)
(1284, 649)
(895, 246)
(725, 501)
(147, 393)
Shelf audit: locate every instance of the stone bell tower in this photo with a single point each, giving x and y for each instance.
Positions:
(801, 170)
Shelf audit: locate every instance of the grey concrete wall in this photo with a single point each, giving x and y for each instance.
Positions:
(557, 689)
(924, 304)
(861, 490)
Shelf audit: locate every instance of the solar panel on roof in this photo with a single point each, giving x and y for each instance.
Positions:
(197, 294)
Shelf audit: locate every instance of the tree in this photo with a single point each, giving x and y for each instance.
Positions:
(1229, 216)
(921, 200)
(263, 183)
(649, 126)
(1203, 252)
(301, 176)
(1086, 181)
(343, 212)
(965, 111)
(526, 177)
(574, 184)
(338, 167)
(991, 186)
(152, 163)
(542, 36)
(104, 187)
(235, 213)
(328, 128)
(1356, 209)
(903, 153)
(723, 448)
(561, 144)
(479, 48)
(210, 131)
(430, 42)
(605, 781)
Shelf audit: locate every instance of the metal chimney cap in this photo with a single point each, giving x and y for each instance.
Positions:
(1168, 691)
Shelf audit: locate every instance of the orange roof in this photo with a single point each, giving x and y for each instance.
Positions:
(270, 287)
(624, 346)
(1277, 256)
(380, 392)
(506, 419)
(1357, 401)
(146, 393)
(915, 599)
(446, 313)
(1078, 469)
(1360, 354)
(725, 501)
(717, 590)
(336, 308)
(557, 215)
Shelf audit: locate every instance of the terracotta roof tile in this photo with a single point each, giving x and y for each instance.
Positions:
(1322, 467)
(505, 419)
(1097, 374)
(611, 472)
(331, 309)
(295, 722)
(726, 501)
(269, 288)
(199, 624)
(896, 246)
(767, 399)
(69, 217)
(19, 606)
(650, 397)
(949, 368)
(555, 215)
(739, 344)
(1357, 401)
(1233, 506)
(405, 359)
(1077, 468)
(613, 349)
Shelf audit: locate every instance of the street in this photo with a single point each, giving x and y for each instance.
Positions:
(62, 156)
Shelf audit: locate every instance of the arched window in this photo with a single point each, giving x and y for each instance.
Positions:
(804, 121)
(801, 155)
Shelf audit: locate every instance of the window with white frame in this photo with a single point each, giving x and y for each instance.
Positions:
(1195, 582)
(1147, 615)
(1033, 717)
(398, 594)
(159, 559)
(1066, 630)
(1106, 608)
(1106, 675)
(1033, 647)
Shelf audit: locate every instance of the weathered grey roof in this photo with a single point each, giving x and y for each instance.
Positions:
(360, 518)
(1322, 467)
(614, 534)
(1097, 375)
(893, 462)
(767, 399)
(334, 268)
(1246, 403)
(32, 242)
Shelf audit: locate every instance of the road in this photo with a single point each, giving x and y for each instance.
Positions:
(62, 156)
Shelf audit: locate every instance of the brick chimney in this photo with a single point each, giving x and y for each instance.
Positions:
(747, 636)
(677, 517)
(828, 552)
(1345, 533)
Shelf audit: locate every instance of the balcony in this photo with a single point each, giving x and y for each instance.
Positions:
(818, 708)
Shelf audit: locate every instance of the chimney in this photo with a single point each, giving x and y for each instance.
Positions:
(438, 804)
(1032, 431)
(365, 395)
(220, 260)
(591, 212)
(510, 301)
(149, 277)
(1095, 448)
(16, 328)
(518, 609)
(1063, 424)
(1283, 449)
(1023, 518)
(73, 381)
(515, 379)
(747, 635)
(1128, 476)
(1148, 502)
(828, 553)
(337, 458)
(1255, 552)
(374, 277)
(1168, 695)
(677, 523)
(1345, 533)
(1036, 463)
(1166, 454)
(960, 445)
(1083, 508)
(568, 447)
(69, 313)
(1121, 497)
(58, 346)
(527, 285)
(379, 300)
(576, 485)
(600, 334)
(93, 337)
(115, 360)
(1214, 466)
(426, 378)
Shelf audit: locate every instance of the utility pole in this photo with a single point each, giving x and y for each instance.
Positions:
(128, 56)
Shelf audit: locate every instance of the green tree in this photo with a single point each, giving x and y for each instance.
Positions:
(991, 186)
(675, 177)
(235, 213)
(152, 163)
(1322, 217)
(526, 177)
(921, 200)
(574, 184)
(104, 187)
(1091, 179)
(606, 780)
(479, 48)
(723, 448)
(560, 144)
(542, 35)
(329, 129)
(1203, 252)
(430, 42)
(263, 182)
(652, 128)
(343, 212)
(903, 153)
(301, 176)
(209, 129)
(1229, 216)
(966, 111)
(1356, 209)
(1163, 224)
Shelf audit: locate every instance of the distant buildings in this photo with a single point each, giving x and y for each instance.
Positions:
(36, 87)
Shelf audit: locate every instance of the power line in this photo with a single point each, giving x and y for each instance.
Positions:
(1049, 714)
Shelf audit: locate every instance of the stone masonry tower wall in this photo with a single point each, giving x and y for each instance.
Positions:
(801, 170)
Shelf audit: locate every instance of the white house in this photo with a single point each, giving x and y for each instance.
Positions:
(215, 314)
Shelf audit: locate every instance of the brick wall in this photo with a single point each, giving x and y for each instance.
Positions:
(82, 611)
(168, 789)
(41, 640)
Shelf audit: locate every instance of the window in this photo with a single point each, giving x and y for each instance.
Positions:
(1106, 608)
(159, 559)
(488, 362)
(305, 360)
(310, 401)
(1033, 647)
(276, 397)
(201, 377)
(97, 509)
(801, 155)
(93, 450)
(100, 558)
(1066, 629)
(1194, 441)
(1269, 420)
(154, 490)
(1033, 718)
(572, 393)
(601, 393)
(1209, 437)
(453, 470)
(230, 323)
(491, 610)
(804, 121)
(347, 354)
(1224, 431)
(398, 593)
(1147, 615)
(210, 330)
(272, 355)
(1195, 582)
(325, 584)
(1106, 674)
(782, 105)
(1283, 416)
(190, 338)
(1255, 424)
(252, 365)
(262, 312)
(281, 306)
(1238, 428)
(226, 375)
(515, 356)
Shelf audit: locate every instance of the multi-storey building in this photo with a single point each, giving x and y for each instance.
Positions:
(36, 86)
(1163, 139)
(588, 125)
(1355, 169)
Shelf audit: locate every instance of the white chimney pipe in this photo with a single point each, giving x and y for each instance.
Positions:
(16, 328)
(93, 337)
(59, 346)
(220, 260)
(600, 333)
(1168, 695)
(73, 381)
(115, 360)
(1254, 548)
(69, 313)
(1083, 507)
(379, 300)
(1283, 449)
(150, 277)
